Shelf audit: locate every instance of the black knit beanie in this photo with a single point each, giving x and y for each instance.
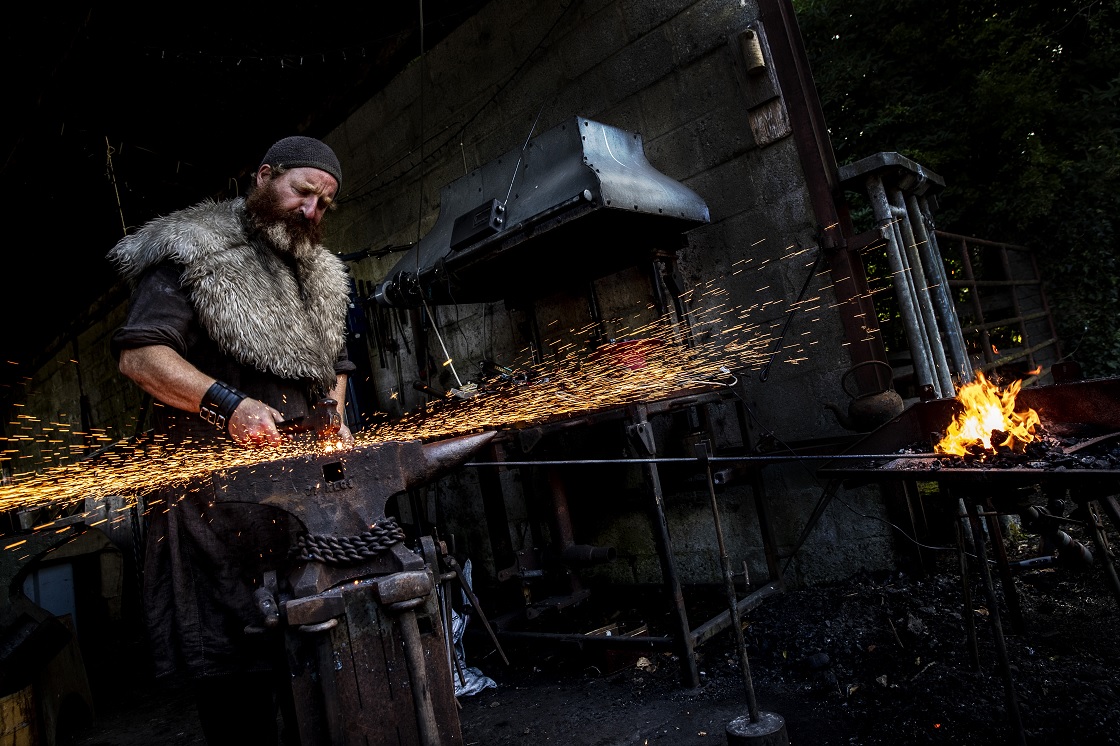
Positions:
(297, 151)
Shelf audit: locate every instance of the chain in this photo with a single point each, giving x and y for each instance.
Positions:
(339, 550)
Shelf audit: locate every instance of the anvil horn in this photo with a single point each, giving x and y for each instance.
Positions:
(443, 455)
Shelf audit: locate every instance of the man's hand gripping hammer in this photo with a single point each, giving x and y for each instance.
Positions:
(323, 420)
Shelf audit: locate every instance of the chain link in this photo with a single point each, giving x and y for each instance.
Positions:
(340, 550)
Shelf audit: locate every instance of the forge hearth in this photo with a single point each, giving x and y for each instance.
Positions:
(1079, 447)
(1045, 454)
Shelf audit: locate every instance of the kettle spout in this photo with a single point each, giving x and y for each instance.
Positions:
(841, 416)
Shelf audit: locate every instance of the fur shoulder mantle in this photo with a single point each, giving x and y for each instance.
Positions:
(289, 320)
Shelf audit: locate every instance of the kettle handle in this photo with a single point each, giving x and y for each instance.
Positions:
(847, 375)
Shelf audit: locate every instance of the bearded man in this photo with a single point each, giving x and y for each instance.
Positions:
(237, 322)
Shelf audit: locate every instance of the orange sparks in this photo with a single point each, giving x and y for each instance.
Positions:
(648, 361)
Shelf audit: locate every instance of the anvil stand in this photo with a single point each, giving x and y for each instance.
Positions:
(363, 633)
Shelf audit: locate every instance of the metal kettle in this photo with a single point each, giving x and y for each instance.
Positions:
(867, 411)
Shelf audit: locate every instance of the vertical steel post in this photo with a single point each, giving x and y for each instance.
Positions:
(900, 271)
(922, 222)
(921, 282)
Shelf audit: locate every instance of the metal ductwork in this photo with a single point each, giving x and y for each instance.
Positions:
(577, 202)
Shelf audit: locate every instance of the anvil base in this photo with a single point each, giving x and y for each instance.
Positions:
(369, 663)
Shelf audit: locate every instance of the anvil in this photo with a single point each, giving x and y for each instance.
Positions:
(344, 494)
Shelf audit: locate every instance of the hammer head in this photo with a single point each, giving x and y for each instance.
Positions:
(323, 420)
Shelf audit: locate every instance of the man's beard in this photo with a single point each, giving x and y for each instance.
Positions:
(289, 232)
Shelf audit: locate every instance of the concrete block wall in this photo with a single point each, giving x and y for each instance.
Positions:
(667, 71)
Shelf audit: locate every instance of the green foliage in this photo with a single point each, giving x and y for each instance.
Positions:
(1016, 104)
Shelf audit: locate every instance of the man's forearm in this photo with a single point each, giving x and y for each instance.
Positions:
(166, 375)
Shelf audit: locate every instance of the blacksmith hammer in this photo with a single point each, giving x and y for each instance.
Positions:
(323, 420)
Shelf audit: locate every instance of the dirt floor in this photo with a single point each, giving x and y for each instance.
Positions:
(873, 660)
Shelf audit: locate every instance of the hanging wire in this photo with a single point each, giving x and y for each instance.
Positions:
(446, 355)
(113, 181)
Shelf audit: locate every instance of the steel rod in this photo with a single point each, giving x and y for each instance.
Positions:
(729, 583)
(920, 216)
(903, 283)
(1097, 532)
(1010, 698)
(920, 275)
(714, 459)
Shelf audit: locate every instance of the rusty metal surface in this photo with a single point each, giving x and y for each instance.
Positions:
(1082, 408)
(343, 494)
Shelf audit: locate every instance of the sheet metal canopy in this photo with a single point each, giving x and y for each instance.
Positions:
(577, 202)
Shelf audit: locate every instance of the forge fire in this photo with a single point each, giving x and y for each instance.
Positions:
(988, 422)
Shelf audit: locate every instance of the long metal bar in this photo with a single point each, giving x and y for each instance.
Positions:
(999, 548)
(966, 597)
(1010, 698)
(900, 276)
(729, 586)
(762, 460)
(651, 642)
(920, 278)
(913, 280)
(454, 563)
(690, 671)
(1096, 530)
(721, 621)
(920, 217)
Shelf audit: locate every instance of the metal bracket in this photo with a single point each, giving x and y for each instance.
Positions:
(641, 435)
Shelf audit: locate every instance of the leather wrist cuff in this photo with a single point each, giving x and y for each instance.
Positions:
(218, 404)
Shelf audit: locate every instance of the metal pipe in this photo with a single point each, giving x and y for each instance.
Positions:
(720, 622)
(920, 218)
(454, 563)
(569, 550)
(587, 554)
(920, 276)
(729, 584)
(1011, 700)
(914, 280)
(760, 460)
(999, 548)
(966, 594)
(1095, 530)
(690, 672)
(923, 367)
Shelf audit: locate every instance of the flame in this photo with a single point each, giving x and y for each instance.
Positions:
(987, 409)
